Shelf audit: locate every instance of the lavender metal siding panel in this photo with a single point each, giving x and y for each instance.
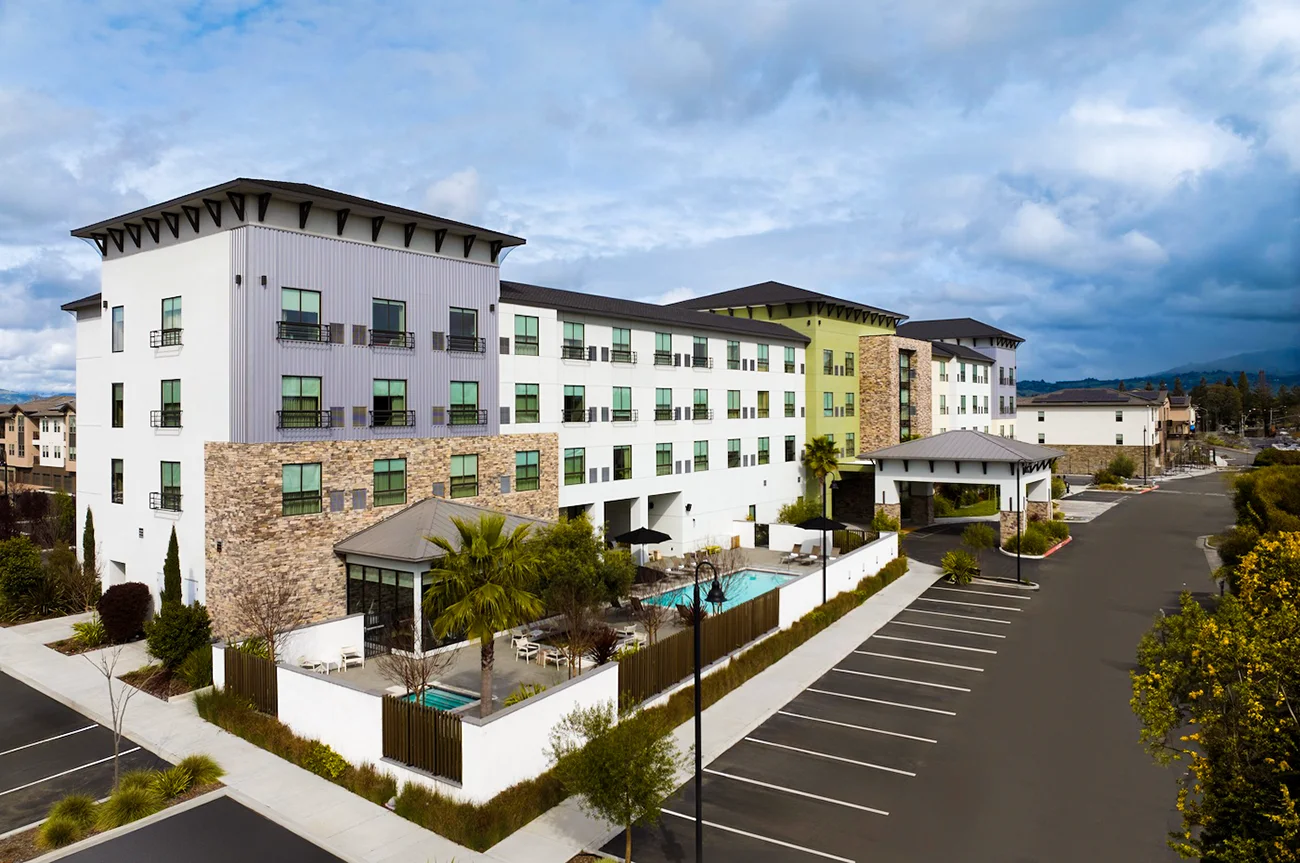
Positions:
(349, 275)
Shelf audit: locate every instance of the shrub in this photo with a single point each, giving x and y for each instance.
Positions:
(604, 644)
(369, 783)
(21, 573)
(883, 522)
(1058, 487)
(172, 782)
(255, 646)
(202, 769)
(943, 507)
(57, 832)
(124, 609)
(127, 805)
(79, 808)
(137, 779)
(178, 631)
(960, 566)
(890, 572)
(323, 761)
(1058, 516)
(1057, 530)
(1105, 477)
(1122, 466)
(1271, 456)
(524, 692)
(1032, 542)
(802, 509)
(89, 633)
(196, 669)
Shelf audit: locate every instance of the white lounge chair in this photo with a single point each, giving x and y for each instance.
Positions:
(350, 657)
(309, 664)
(793, 556)
(628, 631)
(559, 657)
(526, 650)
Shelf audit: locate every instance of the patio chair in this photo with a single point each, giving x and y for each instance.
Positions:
(526, 650)
(628, 631)
(635, 602)
(352, 657)
(518, 638)
(793, 556)
(559, 657)
(308, 664)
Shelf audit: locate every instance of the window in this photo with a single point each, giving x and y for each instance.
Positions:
(464, 475)
(701, 455)
(119, 407)
(389, 404)
(620, 409)
(828, 362)
(850, 444)
(663, 459)
(119, 328)
(526, 343)
(56, 453)
(1002, 375)
(961, 373)
(943, 370)
(390, 481)
(763, 406)
(1002, 404)
(764, 452)
(789, 447)
(388, 316)
(527, 409)
(848, 404)
(733, 452)
(299, 403)
(986, 405)
(575, 341)
(462, 330)
(789, 404)
(300, 316)
(753, 512)
(733, 404)
(169, 489)
(119, 480)
(663, 403)
(733, 355)
(1011, 431)
(45, 426)
(789, 361)
(1119, 440)
(762, 358)
(701, 402)
(171, 404)
(171, 320)
(622, 462)
(663, 349)
(943, 404)
(300, 489)
(700, 352)
(1042, 438)
(575, 466)
(464, 405)
(1011, 404)
(961, 408)
(848, 362)
(621, 348)
(1042, 416)
(828, 404)
(575, 404)
(528, 471)
(1119, 416)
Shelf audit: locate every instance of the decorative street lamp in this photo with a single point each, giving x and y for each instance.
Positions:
(716, 597)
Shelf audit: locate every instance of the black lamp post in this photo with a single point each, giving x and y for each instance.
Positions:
(1018, 536)
(716, 597)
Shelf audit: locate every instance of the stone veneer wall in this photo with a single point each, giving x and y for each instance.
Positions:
(878, 390)
(1034, 510)
(1087, 458)
(243, 507)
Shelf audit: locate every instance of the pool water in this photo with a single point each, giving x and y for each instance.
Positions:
(444, 699)
(741, 587)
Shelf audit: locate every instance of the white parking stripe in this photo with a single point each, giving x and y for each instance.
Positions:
(958, 616)
(47, 740)
(718, 826)
(981, 592)
(881, 701)
(971, 604)
(796, 792)
(933, 643)
(832, 757)
(914, 659)
(65, 773)
(858, 727)
(947, 629)
(901, 679)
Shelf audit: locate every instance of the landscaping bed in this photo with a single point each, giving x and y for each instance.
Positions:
(157, 681)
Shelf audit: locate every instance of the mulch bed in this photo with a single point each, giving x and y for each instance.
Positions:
(156, 681)
(70, 646)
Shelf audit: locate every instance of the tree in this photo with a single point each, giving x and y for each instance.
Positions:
(412, 671)
(119, 697)
(65, 513)
(620, 772)
(89, 551)
(1178, 387)
(1122, 387)
(821, 459)
(76, 590)
(171, 592)
(266, 608)
(1149, 387)
(482, 585)
(1163, 386)
(652, 617)
(1243, 387)
(21, 573)
(978, 536)
(1222, 405)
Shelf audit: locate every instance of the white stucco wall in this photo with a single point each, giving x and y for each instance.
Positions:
(1087, 425)
(977, 388)
(324, 640)
(802, 595)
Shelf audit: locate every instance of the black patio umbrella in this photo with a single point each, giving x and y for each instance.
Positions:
(823, 524)
(642, 536)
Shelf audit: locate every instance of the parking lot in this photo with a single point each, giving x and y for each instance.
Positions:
(48, 751)
(819, 778)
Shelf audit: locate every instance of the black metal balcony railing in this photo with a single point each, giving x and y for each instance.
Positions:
(294, 331)
(733, 459)
(392, 339)
(573, 415)
(663, 358)
(763, 413)
(828, 369)
(392, 419)
(622, 355)
(467, 344)
(302, 419)
(848, 410)
(466, 415)
(702, 362)
(762, 365)
(789, 368)
(169, 338)
(165, 500)
(620, 415)
(765, 456)
(662, 414)
(117, 495)
(167, 418)
(573, 352)
(700, 413)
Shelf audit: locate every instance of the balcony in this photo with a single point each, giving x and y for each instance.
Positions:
(167, 418)
(662, 414)
(165, 338)
(466, 344)
(466, 415)
(169, 501)
(762, 365)
(302, 419)
(789, 412)
(392, 419)
(701, 413)
(293, 331)
(663, 358)
(961, 379)
(392, 339)
(573, 352)
(622, 355)
(620, 415)
(701, 362)
(733, 459)
(573, 415)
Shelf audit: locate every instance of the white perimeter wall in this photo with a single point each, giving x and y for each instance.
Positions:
(199, 272)
(802, 595)
(323, 640)
(1088, 425)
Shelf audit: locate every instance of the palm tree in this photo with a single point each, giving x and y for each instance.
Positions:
(821, 459)
(481, 585)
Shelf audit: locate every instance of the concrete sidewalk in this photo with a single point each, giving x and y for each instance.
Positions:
(564, 831)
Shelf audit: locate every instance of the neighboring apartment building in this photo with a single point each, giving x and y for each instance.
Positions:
(667, 417)
(1092, 426)
(40, 443)
(996, 344)
(960, 388)
(1181, 420)
(270, 367)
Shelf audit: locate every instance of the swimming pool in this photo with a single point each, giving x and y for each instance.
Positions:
(741, 587)
(444, 699)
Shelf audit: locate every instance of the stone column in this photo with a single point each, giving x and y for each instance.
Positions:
(887, 500)
(1038, 510)
(1007, 524)
(922, 503)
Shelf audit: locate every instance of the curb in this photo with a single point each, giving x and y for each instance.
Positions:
(1000, 581)
(1051, 551)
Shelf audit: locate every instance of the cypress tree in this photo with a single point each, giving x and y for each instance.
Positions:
(88, 563)
(172, 572)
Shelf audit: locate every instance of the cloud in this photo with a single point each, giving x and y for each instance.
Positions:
(458, 196)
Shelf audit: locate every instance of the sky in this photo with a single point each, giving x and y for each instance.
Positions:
(1117, 183)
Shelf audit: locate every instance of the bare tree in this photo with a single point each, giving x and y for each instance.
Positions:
(267, 608)
(652, 617)
(412, 671)
(730, 563)
(119, 695)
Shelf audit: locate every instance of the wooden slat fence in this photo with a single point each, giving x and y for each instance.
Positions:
(423, 737)
(654, 668)
(254, 678)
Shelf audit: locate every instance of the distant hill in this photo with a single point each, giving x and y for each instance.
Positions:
(14, 397)
(1279, 362)
(1190, 379)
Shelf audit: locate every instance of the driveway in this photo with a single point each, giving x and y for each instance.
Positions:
(929, 544)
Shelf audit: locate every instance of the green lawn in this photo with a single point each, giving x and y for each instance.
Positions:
(984, 507)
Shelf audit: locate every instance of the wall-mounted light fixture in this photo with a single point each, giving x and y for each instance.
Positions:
(218, 546)
(239, 280)
(688, 507)
(142, 533)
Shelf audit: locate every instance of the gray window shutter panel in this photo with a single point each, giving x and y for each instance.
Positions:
(336, 501)
(438, 490)
(358, 334)
(604, 474)
(591, 415)
(505, 415)
(439, 341)
(336, 334)
(604, 415)
(505, 344)
(358, 416)
(604, 355)
(677, 414)
(801, 411)
(679, 466)
(592, 477)
(677, 359)
(439, 415)
(336, 418)
(687, 465)
(591, 354)
(505, 484)
(358, 498)
(801, 371)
